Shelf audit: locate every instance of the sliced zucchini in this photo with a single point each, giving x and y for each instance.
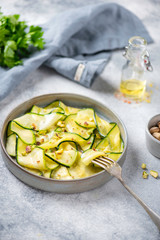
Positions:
(9, 132)
(89, 155)
(63, 157)
(11, 145)
(67, 109)
(53, 105)
(104, 145)
(39, 122)
(114, 155)
(43, 111)
(61, 137)
(27, 136)
(49, 135)
(42, 138)
(85, 118)
(103, 126)
(47, 173)
(64, 141)
(97, 139)
(80, 170)
(59, 129)
(61, 173)
(67, 145)
(115, 140)
(34, 171)
(73, 127)
(35, 159)
(88, 143)
(96, 142)
(50, 164)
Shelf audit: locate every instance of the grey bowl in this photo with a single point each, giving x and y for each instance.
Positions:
(61, 186)
(152, 143)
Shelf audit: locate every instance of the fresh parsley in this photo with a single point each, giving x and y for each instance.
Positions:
(17, 40)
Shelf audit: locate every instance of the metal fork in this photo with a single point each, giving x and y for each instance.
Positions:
(115, 170)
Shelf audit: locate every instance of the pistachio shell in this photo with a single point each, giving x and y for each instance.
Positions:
(156, 135)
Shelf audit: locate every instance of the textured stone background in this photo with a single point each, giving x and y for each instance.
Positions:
(108, 212)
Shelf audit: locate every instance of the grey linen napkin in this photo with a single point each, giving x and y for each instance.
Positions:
(79, 43)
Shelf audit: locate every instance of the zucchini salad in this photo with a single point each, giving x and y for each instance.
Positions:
(60, 142)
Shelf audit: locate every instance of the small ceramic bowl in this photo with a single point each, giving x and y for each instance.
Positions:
(153, 144)
(53, 185)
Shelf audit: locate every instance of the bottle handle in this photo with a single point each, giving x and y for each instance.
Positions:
(146, 58)
(147, 62)
(125, 51)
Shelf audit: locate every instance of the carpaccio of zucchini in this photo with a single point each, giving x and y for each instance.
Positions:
(60, 142)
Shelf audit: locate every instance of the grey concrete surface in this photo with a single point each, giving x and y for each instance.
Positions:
(108, 212)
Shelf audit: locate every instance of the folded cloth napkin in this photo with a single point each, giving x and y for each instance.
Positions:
(79, 43)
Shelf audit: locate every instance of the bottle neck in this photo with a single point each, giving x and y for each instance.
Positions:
(136, 56)
(136, 53)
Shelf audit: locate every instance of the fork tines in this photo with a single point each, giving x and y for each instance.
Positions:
(103, 161)
(107, 159)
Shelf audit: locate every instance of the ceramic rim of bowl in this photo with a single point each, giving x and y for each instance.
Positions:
(54, 96)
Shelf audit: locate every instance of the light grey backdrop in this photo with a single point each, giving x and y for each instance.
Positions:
(108, 212)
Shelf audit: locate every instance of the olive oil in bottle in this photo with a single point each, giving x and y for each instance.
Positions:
(133, 88)
(133, 79)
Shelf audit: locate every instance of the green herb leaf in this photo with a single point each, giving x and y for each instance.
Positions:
(16, 41)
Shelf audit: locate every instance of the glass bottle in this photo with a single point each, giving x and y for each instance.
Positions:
(133, 79)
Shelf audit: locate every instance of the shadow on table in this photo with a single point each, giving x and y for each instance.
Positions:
(28, 83)
(100, 84)
(103, 85)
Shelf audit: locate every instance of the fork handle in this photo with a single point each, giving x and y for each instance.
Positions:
(154, 216)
